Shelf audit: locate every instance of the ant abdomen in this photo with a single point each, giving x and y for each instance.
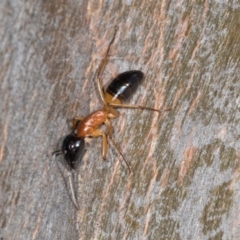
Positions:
(124, 85)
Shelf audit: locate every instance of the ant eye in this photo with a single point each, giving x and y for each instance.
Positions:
(73, 148)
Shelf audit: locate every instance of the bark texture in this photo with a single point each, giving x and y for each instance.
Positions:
(185, 183)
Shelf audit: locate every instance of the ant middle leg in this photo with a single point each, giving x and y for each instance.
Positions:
(100, 133)
(109, 126)
(110, 132)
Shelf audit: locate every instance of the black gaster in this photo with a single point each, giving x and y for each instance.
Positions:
(73, 149)
(125, 84)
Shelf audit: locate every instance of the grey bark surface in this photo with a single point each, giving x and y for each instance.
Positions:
(185, 180)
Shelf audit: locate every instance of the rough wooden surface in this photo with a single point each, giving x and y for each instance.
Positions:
(185, 183)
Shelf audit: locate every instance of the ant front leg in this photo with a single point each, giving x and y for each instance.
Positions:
(75, 121)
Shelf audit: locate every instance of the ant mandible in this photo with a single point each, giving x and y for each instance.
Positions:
(120, 89)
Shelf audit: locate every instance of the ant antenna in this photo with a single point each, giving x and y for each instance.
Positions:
(73, 194)
(70, 176)
(57, 153)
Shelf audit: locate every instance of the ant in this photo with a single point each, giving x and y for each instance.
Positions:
(120, 89)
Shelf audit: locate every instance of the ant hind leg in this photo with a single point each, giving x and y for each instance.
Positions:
(102, 67)
(137, 107)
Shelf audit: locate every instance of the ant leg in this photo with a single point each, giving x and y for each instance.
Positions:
(137, 107)
(102, 67)
(75, 121)
(110, 131)
(119, 151)
(109, 126)
(112, 113)
(99, 133)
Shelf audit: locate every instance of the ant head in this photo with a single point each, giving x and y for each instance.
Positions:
(73, 149)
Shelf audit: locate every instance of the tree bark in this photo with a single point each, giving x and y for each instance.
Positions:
(185, 180)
